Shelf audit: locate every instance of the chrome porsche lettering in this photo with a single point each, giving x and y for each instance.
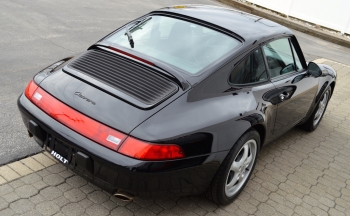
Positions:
(59, 157)
(85, 98)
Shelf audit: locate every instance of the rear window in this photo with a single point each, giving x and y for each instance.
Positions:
(185, 45)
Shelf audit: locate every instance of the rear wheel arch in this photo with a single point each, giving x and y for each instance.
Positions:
(256, 121)
(262, 132)
(258, 128)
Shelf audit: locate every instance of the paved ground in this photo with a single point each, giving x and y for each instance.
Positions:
(298, 174)
(301, 173)
(37, 33)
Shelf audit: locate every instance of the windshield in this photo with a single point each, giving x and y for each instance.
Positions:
(185, 45)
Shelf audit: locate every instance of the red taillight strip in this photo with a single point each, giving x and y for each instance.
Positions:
(30, 89)
(149, 151)
(131, 55)
(98, 132)
(76, 121)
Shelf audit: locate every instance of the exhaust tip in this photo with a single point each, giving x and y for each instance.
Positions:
(124, 196)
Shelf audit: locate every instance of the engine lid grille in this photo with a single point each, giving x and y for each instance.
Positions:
(139, 82)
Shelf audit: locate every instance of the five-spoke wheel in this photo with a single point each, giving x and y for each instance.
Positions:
(236, 169)
(241, 168)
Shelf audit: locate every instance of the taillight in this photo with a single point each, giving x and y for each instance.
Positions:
(78, 122)
(149, 151)
(30, 89)
(98, 132)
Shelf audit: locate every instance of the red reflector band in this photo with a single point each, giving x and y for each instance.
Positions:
(98, 132)
(76, 121)
(149, 151)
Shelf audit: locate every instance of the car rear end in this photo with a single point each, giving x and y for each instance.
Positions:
(83, 111)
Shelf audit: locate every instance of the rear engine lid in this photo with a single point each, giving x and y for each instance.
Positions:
(135, 83)
(111, 97)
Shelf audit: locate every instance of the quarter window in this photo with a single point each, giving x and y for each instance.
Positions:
(251, 70)
(279, 57)
(297, 60)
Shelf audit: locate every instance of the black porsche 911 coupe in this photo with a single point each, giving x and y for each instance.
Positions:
(176, 102)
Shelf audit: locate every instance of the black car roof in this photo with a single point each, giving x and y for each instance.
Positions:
(248, 26)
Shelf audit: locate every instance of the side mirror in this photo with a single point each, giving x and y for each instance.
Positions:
(288, 68)
(314, 70)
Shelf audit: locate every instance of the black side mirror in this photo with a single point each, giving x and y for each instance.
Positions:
(314, 70)
(288, 68)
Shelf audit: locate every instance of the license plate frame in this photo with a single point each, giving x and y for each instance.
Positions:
(59, 150)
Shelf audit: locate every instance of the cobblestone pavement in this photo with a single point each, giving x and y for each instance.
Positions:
(298, 174)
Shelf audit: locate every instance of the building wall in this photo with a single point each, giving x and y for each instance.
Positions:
(334, 14)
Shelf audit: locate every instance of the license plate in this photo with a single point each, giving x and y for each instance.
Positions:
(59, 150)
(59, 157)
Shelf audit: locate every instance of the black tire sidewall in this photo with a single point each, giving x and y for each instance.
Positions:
(221, 195)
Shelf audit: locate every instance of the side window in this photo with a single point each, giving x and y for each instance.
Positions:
(279, 57)
(297, 60)
(250, 70)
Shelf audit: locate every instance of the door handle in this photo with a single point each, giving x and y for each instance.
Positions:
(278, 95)
(284, 96)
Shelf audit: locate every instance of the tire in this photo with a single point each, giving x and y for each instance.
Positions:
(314, 120)
(230, 179)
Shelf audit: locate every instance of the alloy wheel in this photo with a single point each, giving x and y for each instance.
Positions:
(240, 168)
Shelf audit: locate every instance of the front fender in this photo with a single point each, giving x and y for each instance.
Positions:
(329, 76)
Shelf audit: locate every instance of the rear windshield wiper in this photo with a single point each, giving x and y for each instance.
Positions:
(130, 27)
(131, 41)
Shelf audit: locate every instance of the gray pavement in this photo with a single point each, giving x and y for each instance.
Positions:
(37, 33)
(315, 48)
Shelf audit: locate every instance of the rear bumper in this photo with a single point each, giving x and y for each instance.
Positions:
(113, 171)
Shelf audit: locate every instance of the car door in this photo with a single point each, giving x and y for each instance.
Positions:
(250, 76)
(295, 90)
